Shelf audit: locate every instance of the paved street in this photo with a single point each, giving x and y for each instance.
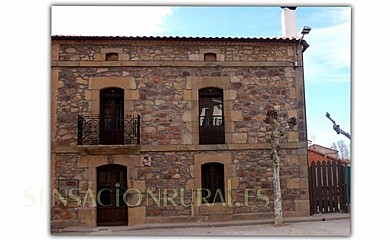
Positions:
(326, 228)
(313, 228)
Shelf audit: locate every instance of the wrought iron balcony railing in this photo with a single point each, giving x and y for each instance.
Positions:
(107, 130)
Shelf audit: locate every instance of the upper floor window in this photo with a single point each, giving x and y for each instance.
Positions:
(210, 57)
(108, 124)
(112, 57)
(111, 116)
(211, 116)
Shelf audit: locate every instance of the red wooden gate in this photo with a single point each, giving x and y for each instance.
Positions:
(328, 188)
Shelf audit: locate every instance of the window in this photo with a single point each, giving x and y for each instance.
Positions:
(112, 57)
(210, 57)
(111, 116)
(107, 123)
(213, 185)
(211, 118)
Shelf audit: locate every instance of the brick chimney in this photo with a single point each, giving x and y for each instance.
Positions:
(289, 22)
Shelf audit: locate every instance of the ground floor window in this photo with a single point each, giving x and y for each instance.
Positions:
(213, 185)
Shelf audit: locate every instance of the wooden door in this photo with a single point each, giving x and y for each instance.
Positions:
(213, 181)
(111, 186)
(111, 116)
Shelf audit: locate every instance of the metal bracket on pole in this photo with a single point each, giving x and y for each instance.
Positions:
(337, 127)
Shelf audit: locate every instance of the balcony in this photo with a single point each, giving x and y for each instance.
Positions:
(108, 130)
(212, 131)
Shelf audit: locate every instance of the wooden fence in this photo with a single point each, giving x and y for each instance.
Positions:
(328, 187)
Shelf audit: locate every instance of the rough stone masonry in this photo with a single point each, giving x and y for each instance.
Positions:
(161, 79)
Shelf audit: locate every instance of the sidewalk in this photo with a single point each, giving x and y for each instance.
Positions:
(83, 230)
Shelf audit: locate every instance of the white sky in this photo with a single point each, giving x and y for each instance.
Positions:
(109, 21)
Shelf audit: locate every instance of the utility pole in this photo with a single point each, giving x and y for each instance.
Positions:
(278, 130)
(337, 127)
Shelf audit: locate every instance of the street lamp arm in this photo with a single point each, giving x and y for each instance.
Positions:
(328, 116)
(345, 134)
(337, 127)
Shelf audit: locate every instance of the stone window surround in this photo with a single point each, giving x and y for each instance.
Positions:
(97, 83)
(214, 174)
(121, 56)
(203, 51)
(193, 86)
(91, 162)
(190, 94)
(226, 159)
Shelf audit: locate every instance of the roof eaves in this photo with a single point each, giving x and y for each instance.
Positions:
(325, 155)
(73, 37)
(316, 145)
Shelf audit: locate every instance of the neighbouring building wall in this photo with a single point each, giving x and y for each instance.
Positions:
(161, 80)
(315, 156)
(324, 150)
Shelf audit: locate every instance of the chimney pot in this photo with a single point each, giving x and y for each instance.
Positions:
(289, 22)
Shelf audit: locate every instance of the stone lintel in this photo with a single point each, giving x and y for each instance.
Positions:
(112, 50)
(172, 148)
(213, 147)
(109, 149)
(67, 149)
(129, 63)
(70, 63)
(97, 83)
(90, 64)
(112, 63)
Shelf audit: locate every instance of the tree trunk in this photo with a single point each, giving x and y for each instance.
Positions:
(278, 210)
(277, 131)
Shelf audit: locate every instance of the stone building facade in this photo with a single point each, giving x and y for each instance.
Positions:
(169, 129)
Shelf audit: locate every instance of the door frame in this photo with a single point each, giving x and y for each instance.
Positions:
(111, 117)
(117, 213)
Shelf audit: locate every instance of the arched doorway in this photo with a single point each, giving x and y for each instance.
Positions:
(111, 209)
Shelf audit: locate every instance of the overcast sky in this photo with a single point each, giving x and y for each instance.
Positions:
(327, 61)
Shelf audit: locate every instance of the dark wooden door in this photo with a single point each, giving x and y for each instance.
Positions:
(213, 181)
(111, 186)
(211, 119)
(111, 116)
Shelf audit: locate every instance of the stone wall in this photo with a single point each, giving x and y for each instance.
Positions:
(161, 80)
(164, 101)
(184, 51)
(169, 188)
